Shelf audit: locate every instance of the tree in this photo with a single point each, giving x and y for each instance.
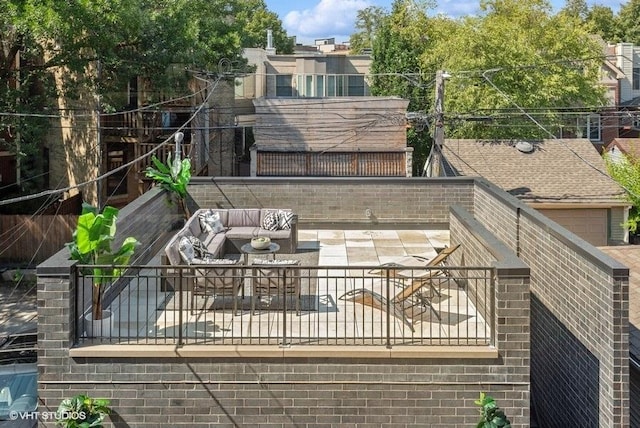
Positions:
(629, 21)
(576, 9)
(602, 21)
(253, 19)
(367, 22)
(398, 40)
(626, 171)
(514, 57)
(102, 45)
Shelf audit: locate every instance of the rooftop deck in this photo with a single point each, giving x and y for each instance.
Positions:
(332, 263)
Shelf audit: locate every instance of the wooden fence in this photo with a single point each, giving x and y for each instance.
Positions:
(332, 164)
(29, 240)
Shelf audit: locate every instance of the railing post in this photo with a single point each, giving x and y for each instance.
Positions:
(180, 303)
(388, 311)
(284, 311)
(77, 319)
(492, 291)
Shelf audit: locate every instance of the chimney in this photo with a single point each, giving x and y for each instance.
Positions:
(271, 50)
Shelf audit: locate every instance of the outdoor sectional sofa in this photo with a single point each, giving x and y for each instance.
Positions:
(240, 225)
(236, 228)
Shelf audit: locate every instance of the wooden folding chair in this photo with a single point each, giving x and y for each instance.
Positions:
(418, 279)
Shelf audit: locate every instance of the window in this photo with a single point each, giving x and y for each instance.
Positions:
(133, 92)
(355, 86)
(319, 86)
(636, 79)
(331, 86)
(308, 87)
(340, 86)
(589, 126)
(283, 85)
(116, 157)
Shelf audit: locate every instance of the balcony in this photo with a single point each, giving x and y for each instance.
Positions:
(156, 306)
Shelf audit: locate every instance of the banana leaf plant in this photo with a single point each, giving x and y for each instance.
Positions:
(173, 176)
(91, 245)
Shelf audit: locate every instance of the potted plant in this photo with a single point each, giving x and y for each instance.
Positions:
(91, 245)
(173, 176)
(491, 416)
(82, 411)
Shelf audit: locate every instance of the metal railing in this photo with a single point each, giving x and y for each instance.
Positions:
(291, 305)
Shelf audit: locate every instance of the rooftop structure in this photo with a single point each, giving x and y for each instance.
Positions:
(563, 330)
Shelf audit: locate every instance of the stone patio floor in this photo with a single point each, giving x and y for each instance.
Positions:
(334, 320)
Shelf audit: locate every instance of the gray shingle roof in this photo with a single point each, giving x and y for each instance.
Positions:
(565, 171)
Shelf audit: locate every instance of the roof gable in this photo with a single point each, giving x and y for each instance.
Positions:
(628, 146)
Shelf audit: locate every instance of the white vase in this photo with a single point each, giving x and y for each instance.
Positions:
(99, 328)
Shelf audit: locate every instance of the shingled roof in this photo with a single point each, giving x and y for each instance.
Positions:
(628, 146)
(555, 171)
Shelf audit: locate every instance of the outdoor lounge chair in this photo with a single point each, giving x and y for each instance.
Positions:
(272, 280)
(217, 282)
(414, 261)
(417, 280)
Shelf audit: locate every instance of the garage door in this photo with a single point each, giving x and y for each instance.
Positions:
(589, 224)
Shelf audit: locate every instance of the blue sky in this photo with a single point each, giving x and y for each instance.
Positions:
(312, 19)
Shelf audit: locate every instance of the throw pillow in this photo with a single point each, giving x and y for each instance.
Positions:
(271, 220)
(199, 249)
(185, 248)
(210, 222)
(285, 220)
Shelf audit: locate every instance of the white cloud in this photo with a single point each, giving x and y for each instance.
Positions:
(456, 8)
(327, 19)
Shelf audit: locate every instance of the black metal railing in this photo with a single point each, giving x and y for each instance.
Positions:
(291, 305)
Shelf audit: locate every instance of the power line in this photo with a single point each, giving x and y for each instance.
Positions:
(113, 171)
(553, 137)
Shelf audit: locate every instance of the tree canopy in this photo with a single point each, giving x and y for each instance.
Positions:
(516, 56)
(104, 44)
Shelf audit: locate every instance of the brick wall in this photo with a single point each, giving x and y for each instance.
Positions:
(340, 201)
(324, 391)
(579, 316)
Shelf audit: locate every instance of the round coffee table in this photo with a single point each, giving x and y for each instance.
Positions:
(247, 249)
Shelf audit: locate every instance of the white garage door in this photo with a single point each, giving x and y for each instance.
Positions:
(589, 224)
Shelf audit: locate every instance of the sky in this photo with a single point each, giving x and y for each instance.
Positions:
(317, 19)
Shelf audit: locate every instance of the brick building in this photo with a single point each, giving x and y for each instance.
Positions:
(561, 324)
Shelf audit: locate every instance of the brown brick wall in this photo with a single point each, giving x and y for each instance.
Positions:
(579, 317)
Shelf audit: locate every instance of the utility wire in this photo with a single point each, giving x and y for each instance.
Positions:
(553, 137)
(113, 171)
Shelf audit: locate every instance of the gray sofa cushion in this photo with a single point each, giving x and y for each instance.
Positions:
(243, 232)
(275, 234)
(244, 217)
(215, 243)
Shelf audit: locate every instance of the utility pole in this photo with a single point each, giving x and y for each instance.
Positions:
(438, 133)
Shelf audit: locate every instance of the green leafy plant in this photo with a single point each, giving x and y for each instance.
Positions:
(491, 416)
(626, 171)
(82, 411)
(173, 176)
(91, 245)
